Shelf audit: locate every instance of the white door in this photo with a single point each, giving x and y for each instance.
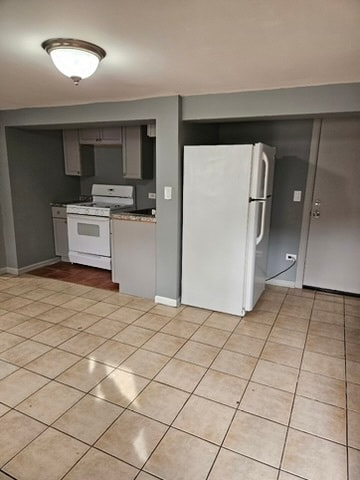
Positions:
(333, 250)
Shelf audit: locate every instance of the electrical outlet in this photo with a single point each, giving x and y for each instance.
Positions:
(290, 256)
(152, 196)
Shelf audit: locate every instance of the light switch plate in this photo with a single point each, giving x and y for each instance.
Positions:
(167, 193)
(297, 196)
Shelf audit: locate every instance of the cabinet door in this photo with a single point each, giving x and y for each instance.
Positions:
(79, 159)
(89, 136)
(71, 152)
(137, 153)
(111, 135)
(61, 237)
(133, 257)
(132, 152)
(100, 136)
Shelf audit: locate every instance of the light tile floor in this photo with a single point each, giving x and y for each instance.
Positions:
(94, 384)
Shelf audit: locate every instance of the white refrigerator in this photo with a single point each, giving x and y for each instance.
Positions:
(226, 216)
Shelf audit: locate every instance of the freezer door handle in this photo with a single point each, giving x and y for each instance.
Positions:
(266, 174)
(262, 223)
(264, 158)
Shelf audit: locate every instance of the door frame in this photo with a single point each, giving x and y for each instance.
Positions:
(309, 189)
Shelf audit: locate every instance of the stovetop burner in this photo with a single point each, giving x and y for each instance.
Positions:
(105, 201)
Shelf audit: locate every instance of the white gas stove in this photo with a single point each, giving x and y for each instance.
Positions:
(105, 200)
(89, 224)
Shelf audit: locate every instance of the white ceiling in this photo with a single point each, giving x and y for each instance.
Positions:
(167, 47)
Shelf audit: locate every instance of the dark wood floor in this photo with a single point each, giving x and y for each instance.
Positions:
(80, 274)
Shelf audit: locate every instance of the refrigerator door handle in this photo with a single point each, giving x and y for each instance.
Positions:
(265, 159)
(266, 174)
(262, 223)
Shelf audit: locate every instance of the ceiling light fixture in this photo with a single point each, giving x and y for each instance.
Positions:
(76, 59)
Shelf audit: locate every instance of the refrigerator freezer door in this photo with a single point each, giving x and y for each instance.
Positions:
(259, 223)
(215, 218)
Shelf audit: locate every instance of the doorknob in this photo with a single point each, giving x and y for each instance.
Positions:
(315, 214)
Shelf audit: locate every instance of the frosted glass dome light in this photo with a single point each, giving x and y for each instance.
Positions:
(75, 59)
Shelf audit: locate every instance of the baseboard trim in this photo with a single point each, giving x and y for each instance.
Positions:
(281, 283)
(3, 270)
(170, 302)
(28, 268)
(12, 271)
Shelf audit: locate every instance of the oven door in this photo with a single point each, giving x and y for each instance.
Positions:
(89, 234)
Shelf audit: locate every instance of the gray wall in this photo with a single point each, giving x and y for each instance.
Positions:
(37, 177)
(108, 170)
(284, 102)
(166, 111)
(293, 145)
(30, 154)
(292, 139)
(200, 133)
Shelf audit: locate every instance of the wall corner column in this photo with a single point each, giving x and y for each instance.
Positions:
(168, 211)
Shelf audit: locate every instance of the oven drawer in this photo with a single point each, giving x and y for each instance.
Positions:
(89, 234)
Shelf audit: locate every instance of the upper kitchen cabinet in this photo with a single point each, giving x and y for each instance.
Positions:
(79, 159)
(138, 153)
(101, 136)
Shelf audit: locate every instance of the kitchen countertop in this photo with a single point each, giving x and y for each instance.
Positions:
(134, 217)
(83, 198)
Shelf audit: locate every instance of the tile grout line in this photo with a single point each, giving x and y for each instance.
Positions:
(51, 425)
(85, 357)
(127, 407)
(174, 354)
(58, 347)
(242, 395)
(152, 378)
(190, 395)
(294, 395)
(343, 408)
(321, 374)
(164, 365)
(7, 474)
(84, 394)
